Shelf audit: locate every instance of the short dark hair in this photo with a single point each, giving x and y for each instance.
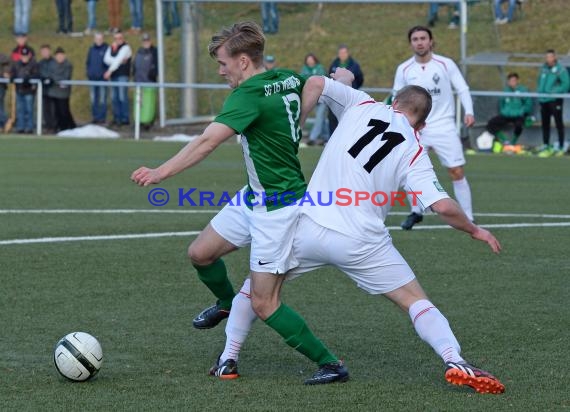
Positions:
(512, 74)
(550, 51)
(45, 46)
(416, 101)
(419, 28)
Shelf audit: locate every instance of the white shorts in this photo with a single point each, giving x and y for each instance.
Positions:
(375, 266)
(445, 142)
(269, 233)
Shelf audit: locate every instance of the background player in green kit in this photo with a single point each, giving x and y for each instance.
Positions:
(264, 107)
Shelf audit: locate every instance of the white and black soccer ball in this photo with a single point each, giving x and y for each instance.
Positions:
(78, 356)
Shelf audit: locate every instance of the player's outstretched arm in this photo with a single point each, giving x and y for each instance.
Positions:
(451, 213)
(188, 156)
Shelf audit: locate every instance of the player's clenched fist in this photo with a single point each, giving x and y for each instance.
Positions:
(144, 176)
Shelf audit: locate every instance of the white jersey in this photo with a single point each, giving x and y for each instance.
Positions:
(373, 150)
(439, 77)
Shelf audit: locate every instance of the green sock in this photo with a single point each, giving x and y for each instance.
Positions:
(215, 277)
(297, 334)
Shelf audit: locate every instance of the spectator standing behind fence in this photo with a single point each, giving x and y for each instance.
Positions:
(313, 67)
(345, 60)
(21, 44)
(64, 16)
(270, 62)
(512, 110)
(114, 12)
(170, 18)
(46, 65)
(269, 17)
(136, 8)
(145, 70)
(454, 11)
(552, 78)
(500, 16)
(96, 67)
(26, 69)
(118, 58)
(22, 9)
(4, 73)
(60, 93)
(91, 16)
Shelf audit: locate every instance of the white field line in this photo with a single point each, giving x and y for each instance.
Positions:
(213, 211)
(194, 233)
(102, 211)
(103, 237)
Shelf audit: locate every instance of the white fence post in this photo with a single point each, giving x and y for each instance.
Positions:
(39, 107)
(137, 112)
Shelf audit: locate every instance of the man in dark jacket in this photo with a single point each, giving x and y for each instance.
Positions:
(96, 68)
(4, 73)
(60, 93)
(25, 70)
(145, 67)
(21, 43)
(345, 60)
(48, 105)
(145, 70)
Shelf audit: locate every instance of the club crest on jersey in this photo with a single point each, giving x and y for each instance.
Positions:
(435, 78)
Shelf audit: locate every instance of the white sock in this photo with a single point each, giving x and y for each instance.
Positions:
(434, 329)
(463, 196)
(239, 323)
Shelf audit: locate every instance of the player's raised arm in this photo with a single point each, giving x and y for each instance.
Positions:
(188, 156)
(453, 215)
(312, 91)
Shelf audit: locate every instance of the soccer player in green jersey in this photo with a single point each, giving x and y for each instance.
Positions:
(264, 108)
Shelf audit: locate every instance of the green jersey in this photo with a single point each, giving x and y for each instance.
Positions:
(265, 110)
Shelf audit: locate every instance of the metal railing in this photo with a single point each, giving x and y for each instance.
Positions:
(218, 86)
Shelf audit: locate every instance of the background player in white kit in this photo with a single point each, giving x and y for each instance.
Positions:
(373, 149)
(439, 75)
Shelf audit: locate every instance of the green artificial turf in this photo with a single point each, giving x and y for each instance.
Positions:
(138, 296)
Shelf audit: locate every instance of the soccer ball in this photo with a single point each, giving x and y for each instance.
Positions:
(78, 356)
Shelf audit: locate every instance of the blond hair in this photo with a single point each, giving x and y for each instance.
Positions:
(244, 37)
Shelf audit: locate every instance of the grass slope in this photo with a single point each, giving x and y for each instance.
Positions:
(376, 35)
(139, 296)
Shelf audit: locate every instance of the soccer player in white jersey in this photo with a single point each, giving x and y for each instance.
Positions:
(374, 150)
(440, 76)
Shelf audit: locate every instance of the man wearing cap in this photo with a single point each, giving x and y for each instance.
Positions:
(145, 67)
(25, 70)
(118, 58)
(145, 70)
(60, 93)
(270, 62)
